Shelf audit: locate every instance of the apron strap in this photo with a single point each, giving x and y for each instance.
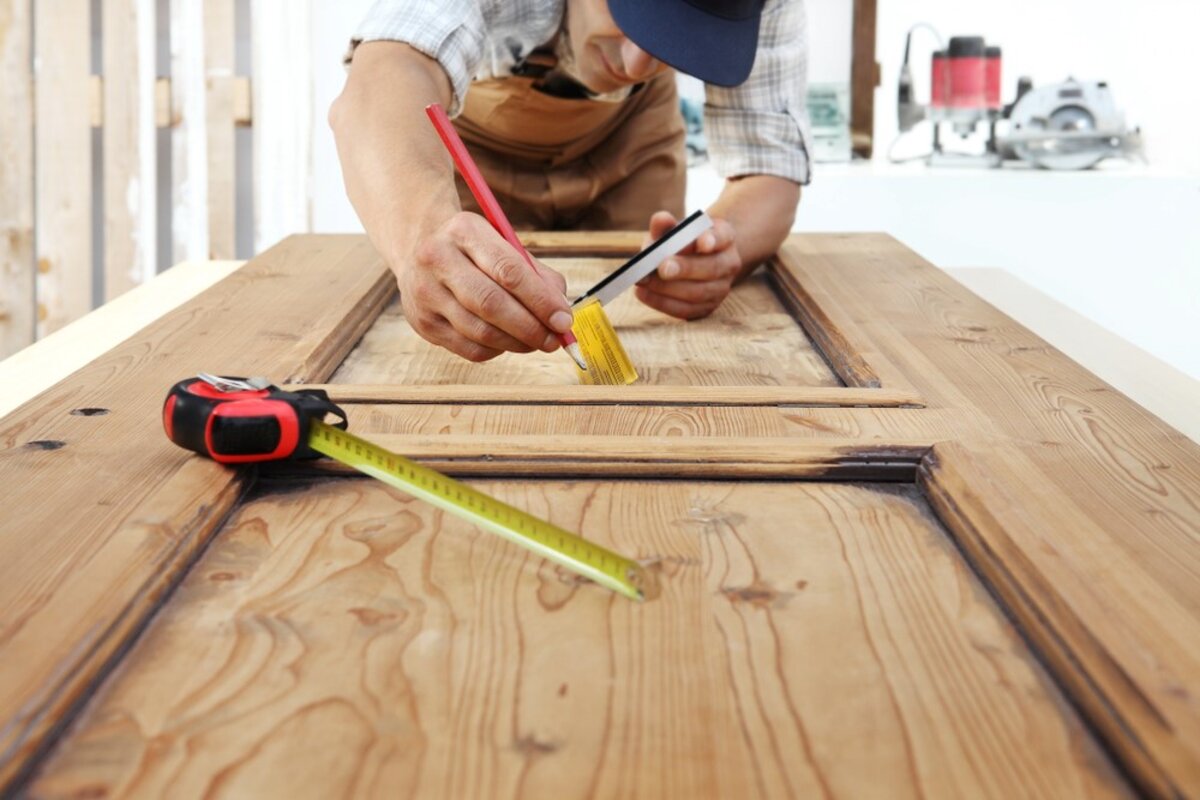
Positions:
(539, 67)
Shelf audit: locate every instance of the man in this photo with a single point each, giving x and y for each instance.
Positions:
(573, 118)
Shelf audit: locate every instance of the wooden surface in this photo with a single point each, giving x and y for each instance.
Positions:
(102, 514)
(28, 373)
(1078, 510)
(63, 162)
(1096, 631)
(750, 341)
(1163, 390)
(341, 639)
(638, 394)
(16, 177)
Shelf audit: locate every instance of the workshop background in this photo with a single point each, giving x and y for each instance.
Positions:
(135, 134)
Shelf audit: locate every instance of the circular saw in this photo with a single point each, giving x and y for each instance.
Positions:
(1071, 125)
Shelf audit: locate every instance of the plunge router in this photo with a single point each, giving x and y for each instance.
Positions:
(1066, 126)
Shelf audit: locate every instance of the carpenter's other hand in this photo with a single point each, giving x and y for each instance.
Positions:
(693, 283)
(467, 289)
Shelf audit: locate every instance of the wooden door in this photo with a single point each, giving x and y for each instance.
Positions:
(904, 548)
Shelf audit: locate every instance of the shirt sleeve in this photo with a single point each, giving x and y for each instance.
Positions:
(452, 32)
(761, 126)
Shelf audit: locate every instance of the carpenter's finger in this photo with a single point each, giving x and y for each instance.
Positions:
(552, 277)
(689, 291)
(480, 331)
(442, 333)
(676, 308)
(717, 238)
(715, 266)
(484, 298)
(660, 223)
(509, 272)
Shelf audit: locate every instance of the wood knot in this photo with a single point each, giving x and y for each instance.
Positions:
(372, 616)
(757, 595)
(88, 412)
(529, 745)
(45, 444)
(714, 520)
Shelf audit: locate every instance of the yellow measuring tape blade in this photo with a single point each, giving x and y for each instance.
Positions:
(608, 363)
(577, 554)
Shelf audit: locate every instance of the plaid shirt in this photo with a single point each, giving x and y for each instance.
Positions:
(757, 128)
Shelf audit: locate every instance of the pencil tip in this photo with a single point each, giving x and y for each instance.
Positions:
(577, 354)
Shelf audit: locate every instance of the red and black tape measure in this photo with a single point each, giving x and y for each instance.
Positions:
(246, 424)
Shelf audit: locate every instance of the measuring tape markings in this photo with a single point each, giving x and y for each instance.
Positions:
(588, 558)
(608, 363)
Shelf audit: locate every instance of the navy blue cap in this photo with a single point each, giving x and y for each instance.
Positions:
(713, 40)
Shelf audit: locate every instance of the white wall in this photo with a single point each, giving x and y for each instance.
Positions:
(1122, 247)
(333, 21)
(1146, 50)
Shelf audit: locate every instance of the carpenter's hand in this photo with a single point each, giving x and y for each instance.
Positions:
(468, 290)
(692, 284)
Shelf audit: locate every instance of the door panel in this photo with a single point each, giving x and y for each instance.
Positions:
(1078, 510)
(809, 638)
(751, 340)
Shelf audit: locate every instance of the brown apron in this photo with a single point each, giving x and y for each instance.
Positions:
(561, 163)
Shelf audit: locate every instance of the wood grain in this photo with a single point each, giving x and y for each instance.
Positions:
(1096, 635)
(345, 640)
(645, 456)
(498, 423)
(16, 177)
(845, 355)
(63, 163)
(129, 143)
(583, 244)
(750, 341)
(1126, 472)
(100, 509)
(635, 395)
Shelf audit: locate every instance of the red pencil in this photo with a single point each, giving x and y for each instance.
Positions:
(487, 201)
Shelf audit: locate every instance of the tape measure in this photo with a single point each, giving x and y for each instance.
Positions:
(572, 551)
(608, 363)
(238, 420)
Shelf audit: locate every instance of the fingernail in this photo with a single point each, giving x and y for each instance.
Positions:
(551, 343)
(670, 268)
(561, 321)
(706, 241)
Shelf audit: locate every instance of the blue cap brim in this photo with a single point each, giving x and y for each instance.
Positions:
(715, 50)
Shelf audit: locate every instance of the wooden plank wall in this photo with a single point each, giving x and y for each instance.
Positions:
(62, 161)
(49, 203)
(130, 168)
(16, 175)
(217, 85)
